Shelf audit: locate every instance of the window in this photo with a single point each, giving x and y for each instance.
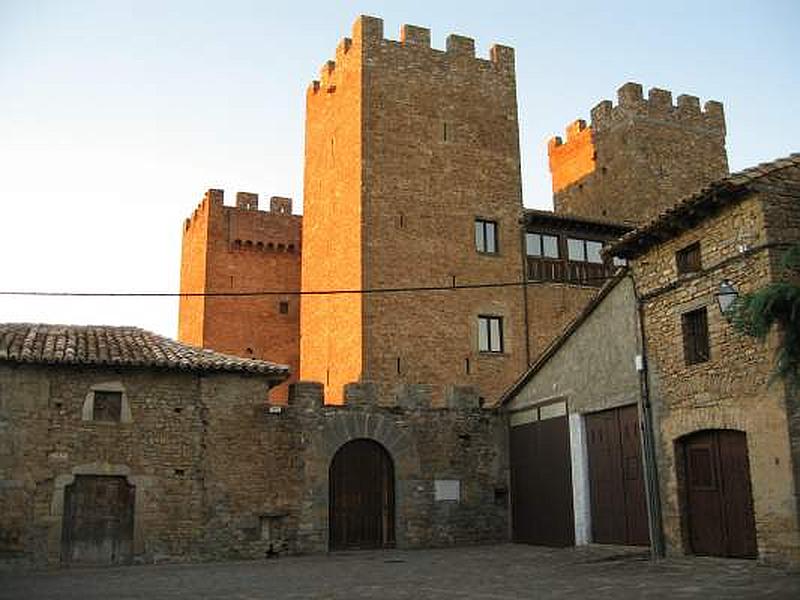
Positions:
(688, 259)
(584, 250)
(540, 244)
(619, 261)
(490, 334)
(283, 307)
(107, 406)
(486, 236)
(695, 336)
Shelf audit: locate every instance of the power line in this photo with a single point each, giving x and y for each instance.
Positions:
(395, 290)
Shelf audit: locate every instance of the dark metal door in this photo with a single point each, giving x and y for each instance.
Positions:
(616, 484)
(718, 498)
(541, 483)
(361, 496)
(98, 521)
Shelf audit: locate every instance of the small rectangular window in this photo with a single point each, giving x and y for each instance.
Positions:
(593, 250)
(283, 308)
(695, 336)
(540, 244)
(576, 250)
(688, 259)
(486, 236)
(107, 406)
(490, 334)
(584, 250)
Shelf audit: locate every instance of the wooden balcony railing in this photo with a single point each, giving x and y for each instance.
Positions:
(564, 271)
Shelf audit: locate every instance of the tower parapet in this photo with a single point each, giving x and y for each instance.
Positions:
(367, 38)
(638, 156)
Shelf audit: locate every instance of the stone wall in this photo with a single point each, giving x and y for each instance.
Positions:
(221, 475)
(732, 389)
(646, 154)
(243, 249)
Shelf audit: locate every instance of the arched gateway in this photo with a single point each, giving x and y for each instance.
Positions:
(361, 513)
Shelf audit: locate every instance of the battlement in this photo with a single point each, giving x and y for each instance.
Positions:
(310, 395)
(367, 36)
(245, 201)
(658, 105)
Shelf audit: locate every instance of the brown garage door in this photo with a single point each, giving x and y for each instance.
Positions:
(98, 521)
(718, 502)
(541, 477)
(618, 502)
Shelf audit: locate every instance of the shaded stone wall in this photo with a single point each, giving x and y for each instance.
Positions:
(219, 474)
(729, 391)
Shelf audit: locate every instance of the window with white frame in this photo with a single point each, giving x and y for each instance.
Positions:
(490, 333)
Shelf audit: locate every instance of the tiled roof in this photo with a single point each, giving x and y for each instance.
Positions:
(117, 346)
(690, 211)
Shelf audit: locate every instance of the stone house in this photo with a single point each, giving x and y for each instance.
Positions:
(119, 446)
(727, 438)
(696, 397)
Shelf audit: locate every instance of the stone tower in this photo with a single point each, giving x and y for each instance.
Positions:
(639, 157)
(243, 249)
(412, 179)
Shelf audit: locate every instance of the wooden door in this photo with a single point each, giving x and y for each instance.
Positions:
(718, 502)
(361, 513)
(616, 483)
(98, 521)
(541, 482)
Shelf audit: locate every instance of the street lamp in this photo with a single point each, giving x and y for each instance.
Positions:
(726, 296)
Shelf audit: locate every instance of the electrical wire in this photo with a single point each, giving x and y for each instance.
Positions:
(395, 290)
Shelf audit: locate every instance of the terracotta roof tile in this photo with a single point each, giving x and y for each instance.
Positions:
(117, 346)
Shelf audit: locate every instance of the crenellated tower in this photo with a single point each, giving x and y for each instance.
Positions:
(638, 157)
(409, 150)
(233, 249)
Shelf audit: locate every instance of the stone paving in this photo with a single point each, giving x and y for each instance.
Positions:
(503, 572)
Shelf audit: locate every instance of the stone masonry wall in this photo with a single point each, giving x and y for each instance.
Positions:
(647, 154)
(432, 138)
(243, 249)
(729, 391)
(218, 474)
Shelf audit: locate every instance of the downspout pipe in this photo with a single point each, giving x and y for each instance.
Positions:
(652, 489)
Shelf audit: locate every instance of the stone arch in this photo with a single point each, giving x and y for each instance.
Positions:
(342, 425)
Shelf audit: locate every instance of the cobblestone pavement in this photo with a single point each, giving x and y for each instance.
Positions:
(503, 572)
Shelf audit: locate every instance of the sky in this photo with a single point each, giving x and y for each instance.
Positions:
(116, 115)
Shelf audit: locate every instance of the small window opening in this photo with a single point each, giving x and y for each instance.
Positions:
(444, 131)
(398, 365)
(694, 327)
(107, 406)
(466, 366)
(688, 259)
(283, 307)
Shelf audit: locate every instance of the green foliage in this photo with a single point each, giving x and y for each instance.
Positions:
(778, 303)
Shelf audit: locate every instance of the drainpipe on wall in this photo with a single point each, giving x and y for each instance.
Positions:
(652, 490)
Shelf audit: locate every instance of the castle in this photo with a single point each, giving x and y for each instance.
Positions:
(412, 180)
(454, 368)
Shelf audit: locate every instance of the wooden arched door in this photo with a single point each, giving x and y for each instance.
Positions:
(717, 497)
(361, 511)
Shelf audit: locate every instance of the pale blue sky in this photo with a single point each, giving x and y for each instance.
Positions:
(115, 116)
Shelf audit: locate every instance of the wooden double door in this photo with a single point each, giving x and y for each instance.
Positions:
(361, 495)
(616, 482)
(541, 480)
(717, 497)
(98, 521)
